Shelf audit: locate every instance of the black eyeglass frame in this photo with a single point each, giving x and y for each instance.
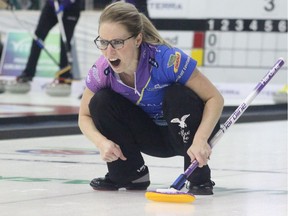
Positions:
(122, 42)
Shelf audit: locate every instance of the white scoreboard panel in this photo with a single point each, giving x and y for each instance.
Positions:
(197, 9)
(232, 40)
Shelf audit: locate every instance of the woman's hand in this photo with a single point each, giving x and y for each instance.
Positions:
(201, 151)
(110, 151)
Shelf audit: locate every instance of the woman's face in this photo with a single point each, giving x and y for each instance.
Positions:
(124, 59)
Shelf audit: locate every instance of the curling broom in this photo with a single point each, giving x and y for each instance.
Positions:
(174, 194)
(59, 14)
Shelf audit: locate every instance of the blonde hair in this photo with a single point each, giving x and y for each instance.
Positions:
(127, 15)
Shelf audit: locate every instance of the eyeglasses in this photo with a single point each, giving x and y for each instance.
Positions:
(116, 43)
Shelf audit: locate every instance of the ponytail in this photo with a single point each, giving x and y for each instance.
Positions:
(150, 33)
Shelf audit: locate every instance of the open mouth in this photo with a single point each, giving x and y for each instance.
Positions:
(114, 62)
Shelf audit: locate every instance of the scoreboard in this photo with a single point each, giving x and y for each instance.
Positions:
(230, 39)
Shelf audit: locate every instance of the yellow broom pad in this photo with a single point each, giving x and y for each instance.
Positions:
(175, 197)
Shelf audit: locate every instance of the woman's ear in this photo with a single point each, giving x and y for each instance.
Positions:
(139, 39)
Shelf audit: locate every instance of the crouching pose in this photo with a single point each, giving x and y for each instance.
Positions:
(145, 96)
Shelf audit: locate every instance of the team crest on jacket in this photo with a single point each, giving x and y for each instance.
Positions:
(181, 123)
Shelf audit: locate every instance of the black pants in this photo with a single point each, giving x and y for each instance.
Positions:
(130, 127)
(47, 21)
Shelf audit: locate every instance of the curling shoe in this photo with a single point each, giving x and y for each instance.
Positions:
(201, 189)
(23, 78)
(141, 182)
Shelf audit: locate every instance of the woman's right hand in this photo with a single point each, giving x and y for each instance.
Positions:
(109, 151)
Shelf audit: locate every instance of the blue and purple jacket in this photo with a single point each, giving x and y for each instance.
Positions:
(159, 66)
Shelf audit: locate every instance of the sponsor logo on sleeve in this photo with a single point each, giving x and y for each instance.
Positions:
(177, 61)
(171, 60)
